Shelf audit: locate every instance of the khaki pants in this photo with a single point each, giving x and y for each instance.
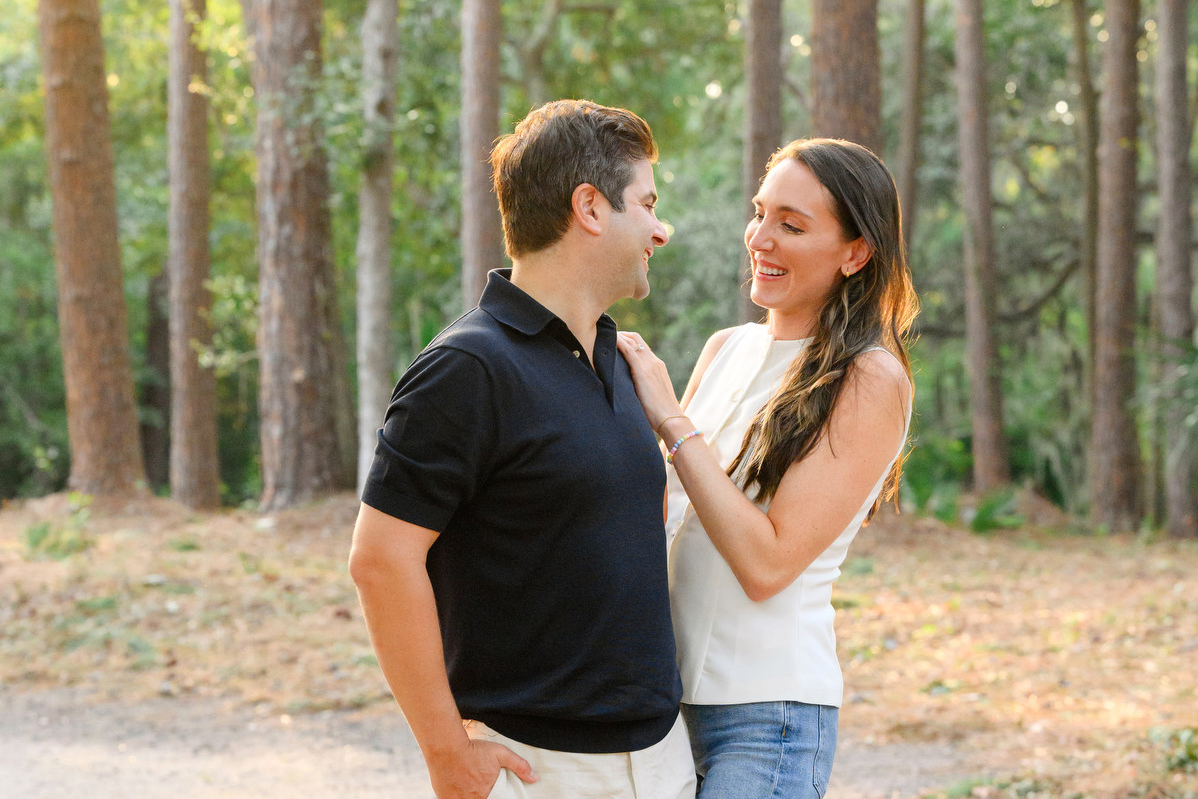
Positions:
(665, 770)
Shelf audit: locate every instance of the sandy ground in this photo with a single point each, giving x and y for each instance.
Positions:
(60, 745)
(187, 655)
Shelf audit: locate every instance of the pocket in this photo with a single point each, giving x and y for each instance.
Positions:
(502, 788)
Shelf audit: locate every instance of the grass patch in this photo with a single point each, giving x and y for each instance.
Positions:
(56, 540)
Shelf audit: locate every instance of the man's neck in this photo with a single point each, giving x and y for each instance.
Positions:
(557, 287)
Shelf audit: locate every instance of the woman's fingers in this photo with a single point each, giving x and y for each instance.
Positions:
(633, 340)
(631, 344)
(651, 377)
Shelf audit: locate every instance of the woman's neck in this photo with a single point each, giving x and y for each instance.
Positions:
(791, 326)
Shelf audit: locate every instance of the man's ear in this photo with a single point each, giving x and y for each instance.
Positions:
(859, 255)
(590, 208)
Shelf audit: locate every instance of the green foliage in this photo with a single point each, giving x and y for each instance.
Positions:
(962, 790)
(1183, 368)
(1007, 788)
(34, 452)
(1180, 748)
(858, 567)
(1034, 105)
(678, 64)
(34, 455)
(934, 471)
(96, 604)
(1047, 412)
(58, 540)
(995, 511)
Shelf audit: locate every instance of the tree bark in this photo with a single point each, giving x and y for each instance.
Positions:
(909, 133)
(763, 114)
(991, 466)
(380, 64)
(846, 71)
(1114, 449)
(482, 231)
(303, 396)
(1174, 282)
(93, 318)
(1087, 146)
(194, 462)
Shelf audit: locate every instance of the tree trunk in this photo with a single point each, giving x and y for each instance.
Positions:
(990, 459)
(1087, 139)
(155, 413)
(93, 319)
(1114, 450)
(380, 64)
(482, 232)
(302, 372)
(909, 134)
(194, 464)
(763, 113)
(846, 72)
(1174, 283)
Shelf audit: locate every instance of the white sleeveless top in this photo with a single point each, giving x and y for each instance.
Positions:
(732, 650)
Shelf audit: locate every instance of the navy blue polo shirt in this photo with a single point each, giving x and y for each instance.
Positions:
(544, 480)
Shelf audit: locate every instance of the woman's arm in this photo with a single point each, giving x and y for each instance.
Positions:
(817, 497)
(713, 345)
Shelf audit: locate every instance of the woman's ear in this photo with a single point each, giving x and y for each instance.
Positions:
(859, 255)
(589, 206)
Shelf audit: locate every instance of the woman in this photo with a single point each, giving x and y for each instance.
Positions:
(804, 419)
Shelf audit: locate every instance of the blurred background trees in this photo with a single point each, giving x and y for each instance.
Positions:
(1086, 110)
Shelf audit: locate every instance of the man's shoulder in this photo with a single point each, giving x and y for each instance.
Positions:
(475, 333)
(476, 341)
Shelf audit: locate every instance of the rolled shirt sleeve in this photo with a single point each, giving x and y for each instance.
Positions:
(432, 449)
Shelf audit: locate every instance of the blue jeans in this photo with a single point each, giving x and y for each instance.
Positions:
(764, 749)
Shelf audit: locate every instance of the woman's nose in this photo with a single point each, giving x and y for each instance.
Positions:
(758, 238)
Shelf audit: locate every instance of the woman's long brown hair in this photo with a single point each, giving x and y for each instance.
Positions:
(875, 306)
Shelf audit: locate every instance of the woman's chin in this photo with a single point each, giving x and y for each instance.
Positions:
(759, 297)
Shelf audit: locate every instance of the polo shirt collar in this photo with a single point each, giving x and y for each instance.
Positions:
(512, 306)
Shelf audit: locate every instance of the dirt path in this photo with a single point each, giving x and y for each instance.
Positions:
(57, 744)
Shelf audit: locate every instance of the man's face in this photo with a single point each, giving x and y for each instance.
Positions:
(634, 234)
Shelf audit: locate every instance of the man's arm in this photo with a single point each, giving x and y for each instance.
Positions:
(387, 563)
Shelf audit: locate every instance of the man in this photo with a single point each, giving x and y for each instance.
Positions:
(510, 552)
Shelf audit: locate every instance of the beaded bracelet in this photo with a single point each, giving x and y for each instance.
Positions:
(680, 442)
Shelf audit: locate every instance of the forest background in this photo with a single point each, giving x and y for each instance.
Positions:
(227, 227)
(1013, 286)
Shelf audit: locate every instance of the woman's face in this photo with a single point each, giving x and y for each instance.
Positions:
(799, 253)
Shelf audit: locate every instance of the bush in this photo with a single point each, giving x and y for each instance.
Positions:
(58, 541)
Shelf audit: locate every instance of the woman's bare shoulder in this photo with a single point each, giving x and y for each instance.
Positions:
(879, 373)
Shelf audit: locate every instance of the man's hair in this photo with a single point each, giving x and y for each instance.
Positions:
(552, 151)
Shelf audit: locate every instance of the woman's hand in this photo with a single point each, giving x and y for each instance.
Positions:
(651, 378)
